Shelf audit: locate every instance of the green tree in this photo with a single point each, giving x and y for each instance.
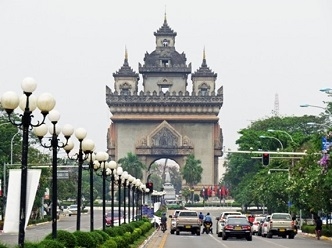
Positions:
(176, 178)
(192, 171)
(248, 179)
(132, 165)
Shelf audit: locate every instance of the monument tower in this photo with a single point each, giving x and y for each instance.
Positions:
(164, 120)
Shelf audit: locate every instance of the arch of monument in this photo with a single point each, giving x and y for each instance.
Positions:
(164, 120)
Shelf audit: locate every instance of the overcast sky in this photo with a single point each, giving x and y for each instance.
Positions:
(257, 48)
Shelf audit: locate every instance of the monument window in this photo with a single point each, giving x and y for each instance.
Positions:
(165, 43)
(165, 62)
(125, 92)
(164, 89)
(204, 92)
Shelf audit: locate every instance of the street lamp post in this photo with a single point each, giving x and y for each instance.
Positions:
(130, 180)
(138, 184)
(28, 104)
(80, 134)
(40, 132)
(133, 188)
(102, 158)
(125, 177)
(271, 137)
(91, 170)
(112, 166)
(119, 172)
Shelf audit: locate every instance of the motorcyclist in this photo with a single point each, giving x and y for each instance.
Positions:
(163, 220)
(206, 220)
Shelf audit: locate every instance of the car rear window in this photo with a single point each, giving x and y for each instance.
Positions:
(237, 221)
(235, 213)
(281, 217)
(191, 214)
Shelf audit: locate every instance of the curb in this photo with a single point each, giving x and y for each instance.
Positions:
(148, 239)
(314, 236)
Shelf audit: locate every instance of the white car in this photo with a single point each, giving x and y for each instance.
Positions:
(71, 210)
(255, 224)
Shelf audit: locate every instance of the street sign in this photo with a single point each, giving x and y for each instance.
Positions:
(62, 174)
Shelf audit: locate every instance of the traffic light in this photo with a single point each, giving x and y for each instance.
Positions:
(149, 186)
(265, 158)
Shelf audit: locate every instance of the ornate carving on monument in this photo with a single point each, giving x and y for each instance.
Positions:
(164, 136)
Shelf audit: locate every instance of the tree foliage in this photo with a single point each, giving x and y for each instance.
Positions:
(308, 185)
(192, 171)
(132, 165)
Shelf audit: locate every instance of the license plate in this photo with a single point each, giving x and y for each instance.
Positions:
(237, 228)
(187, 226)
(281, 230)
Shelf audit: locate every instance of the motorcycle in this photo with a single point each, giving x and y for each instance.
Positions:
(207, 228)
(163, 227)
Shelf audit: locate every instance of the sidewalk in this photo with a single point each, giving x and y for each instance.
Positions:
(157, 239)
(314, 236)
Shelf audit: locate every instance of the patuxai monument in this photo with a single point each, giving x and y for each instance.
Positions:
(165, 120)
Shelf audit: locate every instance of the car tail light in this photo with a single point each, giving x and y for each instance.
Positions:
(229, 227)
(246, 227)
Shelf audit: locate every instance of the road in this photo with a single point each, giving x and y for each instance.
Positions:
(166, 240)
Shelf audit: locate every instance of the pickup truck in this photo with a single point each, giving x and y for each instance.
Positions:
(188, 221)
(280, 224)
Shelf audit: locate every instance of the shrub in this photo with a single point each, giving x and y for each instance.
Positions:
(128, 228)
(66, 238)
(146, 226)
(84, 239)
(120, 230)
(103, 234)
(110, 243)
(137, 233)
(112, 231)
(135, 224)
(49, 243)
(3, 246)
(128, 237)
(28, 244)
(120, 241)
(97, 237)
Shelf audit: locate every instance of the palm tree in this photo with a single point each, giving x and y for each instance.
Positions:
(132, 165)
(192, 171)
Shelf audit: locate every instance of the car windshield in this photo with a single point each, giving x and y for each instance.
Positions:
(73, 206)
(237, 221)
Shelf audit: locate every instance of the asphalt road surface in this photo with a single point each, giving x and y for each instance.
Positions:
(167, 240)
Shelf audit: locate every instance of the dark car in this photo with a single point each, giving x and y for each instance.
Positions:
(116, 221)
(237, 227)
